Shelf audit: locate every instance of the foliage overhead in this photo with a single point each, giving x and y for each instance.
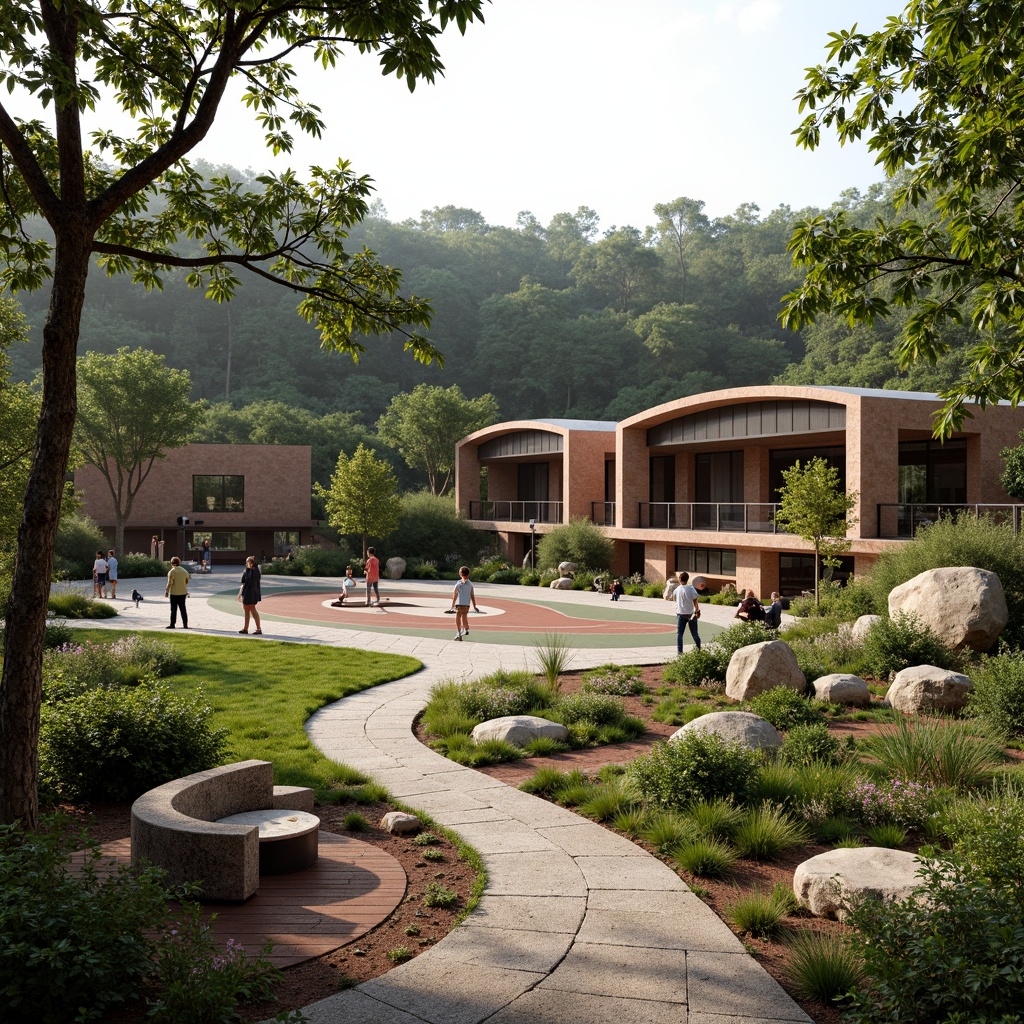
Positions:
(937, 95)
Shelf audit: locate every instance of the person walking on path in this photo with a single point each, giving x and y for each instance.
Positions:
(177, 590)
(112, 574)
(250, 596)
(462, 598)
(99, 574)
(372, 576)
(687, 611)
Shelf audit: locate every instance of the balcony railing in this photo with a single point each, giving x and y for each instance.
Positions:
(602, 513)
(516, 511)
(718, 517)
(902, 521)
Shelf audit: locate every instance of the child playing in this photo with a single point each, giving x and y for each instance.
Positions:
(462, 597)
(347, 583)
(617, 589)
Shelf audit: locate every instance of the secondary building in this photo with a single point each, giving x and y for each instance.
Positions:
(694, 484)
(245, 499)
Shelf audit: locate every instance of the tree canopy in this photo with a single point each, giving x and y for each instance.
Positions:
(936, 92)
(128, 196)
(132, 410)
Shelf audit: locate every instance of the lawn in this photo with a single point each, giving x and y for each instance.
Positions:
(263, 692)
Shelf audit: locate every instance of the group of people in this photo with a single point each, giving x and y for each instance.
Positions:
(104, 571)
(248, 594)
(348, 581)
(751, 610)
(687, 600)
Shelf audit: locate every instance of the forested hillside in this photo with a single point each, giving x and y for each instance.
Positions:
(574, 318)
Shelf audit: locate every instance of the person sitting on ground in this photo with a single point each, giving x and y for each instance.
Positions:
(773, 613)
(750, 609)
(347, 583)
(617, 589)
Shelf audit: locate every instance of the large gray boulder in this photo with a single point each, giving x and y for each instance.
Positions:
(965, 606)
(741, 727)
(826, 884)
(927, 688)
(842, 688)
(519, 730)
(566, 568)
(564, 583)
(763, 666)
(395, 567)
(860, 629)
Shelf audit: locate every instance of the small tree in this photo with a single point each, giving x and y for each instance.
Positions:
(814, 506)
(362, 498)
(131, 410)
(425, 426)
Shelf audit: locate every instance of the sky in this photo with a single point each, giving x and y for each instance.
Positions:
(555, 104)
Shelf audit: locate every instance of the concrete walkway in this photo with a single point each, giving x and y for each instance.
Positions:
(577, 925)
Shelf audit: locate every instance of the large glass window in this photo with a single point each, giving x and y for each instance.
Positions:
(933, 473)
(218, 494)
(710, 561)
(784, 458)
(221, 540)
(283, 540)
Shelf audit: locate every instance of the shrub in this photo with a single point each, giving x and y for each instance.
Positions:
(579, 541)
(717, 819)
(544, 746)
(697, 667)
(705, 857)
(133, 567)
(811, 744)
(824, 790)
(431, 529)
(760, 914)
(529, 578)
(895, 644)
(505, 576)
(554, 656)
(888, 836)
(74, 946)
(610, 800)
(69, 604)
(988, 833)
(545, 782)
(654, 589)
(355, 822)
(593, 708)
(116, 744)
(785, 708)
(998, 693)
(951, 952)
(666, 830)
(822, 965)
(78, 540)
(767, 832)
(837, 601)
(617, 680)
(437, 895)
(963, 540)
(894, 802)
(698, 765)
(75, 668)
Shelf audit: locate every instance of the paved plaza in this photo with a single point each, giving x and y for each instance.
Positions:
(577, 925)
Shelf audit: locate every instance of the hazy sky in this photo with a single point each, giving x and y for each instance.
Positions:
(553, 104)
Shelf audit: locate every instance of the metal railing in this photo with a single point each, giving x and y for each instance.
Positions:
(903, 520)
(516, 511)
(718, 517)
(602, 513)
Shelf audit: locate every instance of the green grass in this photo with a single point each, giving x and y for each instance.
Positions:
(264, 697)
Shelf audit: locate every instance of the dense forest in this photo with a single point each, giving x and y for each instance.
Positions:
(568, 319)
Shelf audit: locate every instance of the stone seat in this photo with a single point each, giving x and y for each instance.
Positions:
(175, 826)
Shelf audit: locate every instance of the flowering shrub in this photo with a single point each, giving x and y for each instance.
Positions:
(593, 708)
(74, 668)
(897, 801)
(484, 702)
(617, 680)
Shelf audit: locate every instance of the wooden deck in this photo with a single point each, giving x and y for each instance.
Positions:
(352, 887)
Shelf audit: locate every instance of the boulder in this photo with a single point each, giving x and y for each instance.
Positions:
(863, 626)
(763, 666)
(965, 606)
(670, 589)
(841, 688)
(825, 884)
(741, 727)
(565, 583)
(566, 568)
(395, 568)
(518, 730)
(927, 688)
(399, 823)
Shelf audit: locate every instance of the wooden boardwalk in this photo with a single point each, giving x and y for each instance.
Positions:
(352, 887)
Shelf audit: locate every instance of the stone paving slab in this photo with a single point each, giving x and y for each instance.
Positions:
(598, 970)
(696, 928)
(513, 948)
(536, 913)
(544, 1007)
(734, 983)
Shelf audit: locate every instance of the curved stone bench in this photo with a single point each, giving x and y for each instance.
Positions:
(175, 826)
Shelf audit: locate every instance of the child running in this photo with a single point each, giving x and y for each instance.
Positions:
(462, 597)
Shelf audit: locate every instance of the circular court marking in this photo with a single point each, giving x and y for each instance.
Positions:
(421, 611)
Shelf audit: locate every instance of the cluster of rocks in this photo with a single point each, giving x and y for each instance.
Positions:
(566, 571)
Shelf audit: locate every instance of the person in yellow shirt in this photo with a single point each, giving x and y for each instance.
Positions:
(177, 590)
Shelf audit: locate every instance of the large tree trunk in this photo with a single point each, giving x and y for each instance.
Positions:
(21, 683)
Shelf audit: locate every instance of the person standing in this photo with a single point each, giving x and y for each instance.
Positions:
(207, 556)
(99, 575)
(462, 598)
(177, 590)
(687, 611)
(250, 594)
(372, 576)
(112, 574)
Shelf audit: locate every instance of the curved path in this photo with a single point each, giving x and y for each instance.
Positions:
(577, 925)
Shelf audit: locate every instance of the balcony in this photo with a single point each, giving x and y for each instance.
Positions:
(602, 513)
(516, 511)
(717, 517)
(902, 521)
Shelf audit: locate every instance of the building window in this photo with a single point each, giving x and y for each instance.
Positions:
(933, 473)
(283, 540)
(709, 561)
(781, 459)
(218, 494)
(223, 540)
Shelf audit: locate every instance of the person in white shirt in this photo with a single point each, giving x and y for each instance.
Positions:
(112, 574)
(687, 611)
(462, 597)
(99, 573)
